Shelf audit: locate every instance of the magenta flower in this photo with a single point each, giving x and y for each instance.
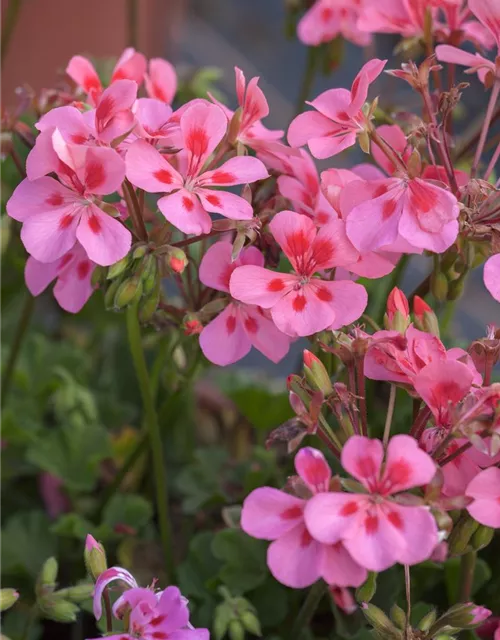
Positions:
(485, 491)
(55, 215)
(239, 327)
(492, 276)
(301, 304)
(294, 557)
(327, 19)
(191, 195)
(375, 529)
(338, 118)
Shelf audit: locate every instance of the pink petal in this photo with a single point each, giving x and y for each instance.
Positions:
(458, 472)
(74, 287)
(491, 275)
(332, 247)
(321, 23)
(338, 567)
(262, 287)
(132, 598)
(203, 126)
(38, 275)
(238, 170)
(294, 559)
(488, 13)
(417, 528)
(333, 104)
(70, 121)
(322, 148)
(485, 489)
(269, 513)
(304, 311)
(44, 195)
(406, 465)
(240, 85)
(362, 458)
(217, 265)
(308, 125)
(104, 238)
(113, 116)
(263, 334)
(295, 234)
(42, 159)
(147, 169)
(153, 118)
(173, 606)
(330, 517)
(227, 204)
(300, 197)
(348, 301)
(161, 80)
(83, 73)
(110, 575)
(255, 105)
(393, 135)
(184, 211)
(312, 467)
(367, 171)
(224, 340)
(131, 66)
(48, 236)
(374, 265)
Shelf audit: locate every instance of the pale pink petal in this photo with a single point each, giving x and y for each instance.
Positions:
(295, 234)
(184, 211)
(224, 340)
(359, 89)
(132, 598)
(147, 169)
(417, 528)
(70, 121)
(203, 126)
(240, 85)
(217, 265)
(255, 105)
(395, 137)
(456, 353)
(406, 465)
(38, 275)
(321, 23)
(362, 458)
(238, 170)
(108, 576)
(130, 66)
(82, 71)
(42, 159)
(173, 606)
(333, 182)
(113, 116)
(491, 275)
(44, 195)
(373, 68)
(338, 567)
(74, 287)
(104, 238)
(332, 247)
(458, 472)
(294, 559)
(333, 104)
(48, 236)
(485, 489)
(367, 171)
(313, 468)
(262, 287)
(161, 80)
(322, 148)
(374, 265)
(331, 517)
(308, 125)
(347, 300)
(227, 204)
(488, 13)
(154, 121)
(269, 513)
(263, 334)
(302, 199)
(304, 311)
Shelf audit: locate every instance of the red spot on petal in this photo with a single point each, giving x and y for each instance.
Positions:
(78, 138)
(197, 141)
(119, 74)
(449, 391)
(323, 251)
(297, 243)
(371, 524)
(379, 191)
(276, 284)
(324, 294)
(83, 269)
(55, 200)
(398, 472)
(91, 82)
(222, 177)
(65, 221)
(213, 200)
(366, 467)
(105, 107)
(349, 509)
(395, 519)
(251, 325)
(187, 203)
(230, 324)
(94, 175)
(64, 260)
(422, 198)
(159, 635)
(292, 513)
(163, 175)
(299, 303)
(94, 224)
(305, 538)
(321, 217)
(311, 182)
(388, 208)
(158, 92)
(158, 620)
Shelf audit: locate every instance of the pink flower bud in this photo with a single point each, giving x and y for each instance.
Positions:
(91, 543)
(420, 306)
(192, 327)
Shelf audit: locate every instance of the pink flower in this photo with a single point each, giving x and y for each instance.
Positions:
(326, 19)
(485, 491)
(405, 17)
(161, 80)
(55, 215)
(191, 195)
(231, 335)
(343, 599)
(375, 529)
(131, 66)
(155, 123)
(301, 304)
(113, 574)
(492, 276)
(294, 557)
(338, 118)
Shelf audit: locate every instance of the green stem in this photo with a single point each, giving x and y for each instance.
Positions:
(151, 421)
(307, 80)
(19, 336)
(109, 611)
(390, 413)
(467, 568)
(30, 621)
(307, 610)
(9, 24)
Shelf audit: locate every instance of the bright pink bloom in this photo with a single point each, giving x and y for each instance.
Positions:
(375, 529)
(488, 14)
(301, 304)
(231, 335)
(295, 558)
(480, 614)
(397, 301)
(91, 543)
(73, 273)
(458, 26)
(406, 17)
(338, 118)
(327, 19)
(474, 62)
(56, 215)
(485, 491)
(157, 124)
(191, 195)
(492, 276)
(161, 80)
(130, 66)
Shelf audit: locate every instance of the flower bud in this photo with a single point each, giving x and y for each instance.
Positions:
(380, 622)
(192, 326)
(428, 620)
(149, 273)
(127, 292)
(251, 623)
(462, 616)
(48, 574)
(8, 597)
(59, 610)
(316, 374)
(425, 318)
(78, 593)
(109, 296)
(236, 630)
(148, 306)
(222, 617)
(398, 311)
(398, 616)
(118, 268)
(139, 251)
(456, 288)
(175, 259)
(439, 286)
(94, 557)
(481, 537)
(366, 591)
(461, 535)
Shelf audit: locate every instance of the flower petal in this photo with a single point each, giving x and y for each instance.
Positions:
(294, 559)
(44, 195)
(330, 517)
(338, 567)
(263, 333)
(161, 80)
(362, 458)
(148, 169)
(491, 275)
(238, 170)
(406, 465)
(304, 311)
(227, 204)
(313, 468)
(203, 126)
(269, 513)
(104, 239)
(259, 286)
(108, 576)
(48, 236)
(224, 340)
(184, 211)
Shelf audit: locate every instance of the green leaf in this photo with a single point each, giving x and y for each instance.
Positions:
(202, 481)
(129, 509)
(271, 602)
(72, 525)
(261, 407)
(244, 560)
(198, 573)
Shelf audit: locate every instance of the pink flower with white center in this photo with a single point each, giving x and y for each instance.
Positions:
(294, 557)
(406, 17)
(327, 19)
(376, 530)
(231, 335)
(55, 215)
(492, 276)
(338, 118)
(161, 80)
(131, 65)
(190, 196)
(72, 272)
(485, 491)
(301, 304)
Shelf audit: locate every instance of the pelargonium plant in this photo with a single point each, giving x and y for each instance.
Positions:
(196, 220)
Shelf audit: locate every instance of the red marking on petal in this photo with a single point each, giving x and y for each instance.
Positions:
(106, 106)
(276, 284)
(159, 635)
(187, 203)
(292, 513)
(448, 391)
(324, 294)
(355, 85)
(251, 325)
(423, 199)
(221, 177)
(349, 509)
(323, 251)
(158, 93)
(78, 138)
(65, 221)
(371, 524)
(305, 538)
(119, 74)
(213, 200)
(366, 467)
(297, 243)
(158, 620)
(231, 324)
(398, 472)
(395, 519)
(94, 224)
(225, 276)
(379, 191)
(163, 175)
(322, 218)
(299, 303)
(311, 182)
(94, 175)
(197, 141)
(388, 209)
(83, 269)
(55, 200)
(64, 260)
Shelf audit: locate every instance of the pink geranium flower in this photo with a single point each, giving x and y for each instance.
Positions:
(131, 65)
(396, 16)
(327, 19)
(72, 272)
(375, 529)
(485, 491)
(492, 276)
(55, 215)
(301, 304)
(231, 335)
(191, 195)
(294, 557)
(338, 118)
(161, 80)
